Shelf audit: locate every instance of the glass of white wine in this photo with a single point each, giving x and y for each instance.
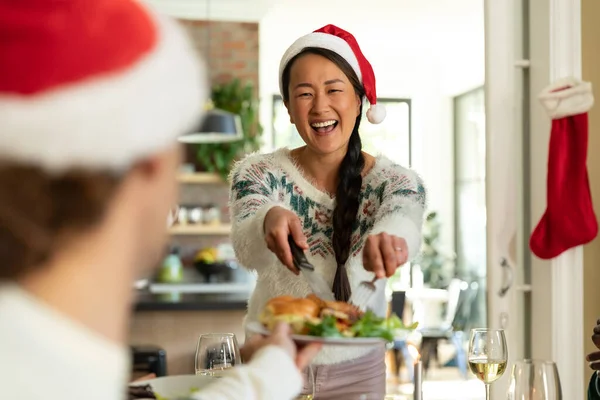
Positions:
(308, 391)
(488, 355)
(216, 352)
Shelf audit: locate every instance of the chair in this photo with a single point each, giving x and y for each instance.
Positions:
(400, 346)
(460, 301)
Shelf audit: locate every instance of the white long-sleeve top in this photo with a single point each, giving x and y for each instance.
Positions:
(392, 200)
(45, 355)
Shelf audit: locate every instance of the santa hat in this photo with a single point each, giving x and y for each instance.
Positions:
(332, 38)
(93, 84)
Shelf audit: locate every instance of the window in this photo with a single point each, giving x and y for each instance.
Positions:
(390, 138)
(469, 156)
(470, 211)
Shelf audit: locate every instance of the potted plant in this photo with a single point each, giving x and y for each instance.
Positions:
(238, 99)
(434, 262)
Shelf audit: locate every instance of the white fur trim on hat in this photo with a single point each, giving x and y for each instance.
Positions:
(109, 122)
(567, 97)
(324, 41)
(376, 113)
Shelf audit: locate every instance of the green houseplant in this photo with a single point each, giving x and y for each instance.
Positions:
(239, 99)
(434, 262)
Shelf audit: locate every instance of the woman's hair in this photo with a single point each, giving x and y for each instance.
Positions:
(38, 212)
(350, 176)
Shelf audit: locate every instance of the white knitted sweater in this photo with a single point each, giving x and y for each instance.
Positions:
(392, 200)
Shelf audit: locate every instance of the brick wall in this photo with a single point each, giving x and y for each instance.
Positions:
(233, 53)
(233, 49)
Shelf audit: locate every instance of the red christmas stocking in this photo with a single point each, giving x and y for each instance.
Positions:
(569, 220)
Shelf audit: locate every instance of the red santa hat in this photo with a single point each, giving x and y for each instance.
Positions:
(332, 38)
(93, 84)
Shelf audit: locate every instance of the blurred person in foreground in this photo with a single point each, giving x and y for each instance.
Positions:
(92, 97)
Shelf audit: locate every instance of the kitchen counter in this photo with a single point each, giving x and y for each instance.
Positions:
(175, 301)
(173, 321)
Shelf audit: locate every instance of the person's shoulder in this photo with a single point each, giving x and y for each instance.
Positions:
(256, 161)
(387, 170)
(393, 179)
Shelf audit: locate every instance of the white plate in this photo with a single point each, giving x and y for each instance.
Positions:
(257, 327)
(176, 386)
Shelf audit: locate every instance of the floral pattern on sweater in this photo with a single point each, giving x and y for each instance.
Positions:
(263, 181)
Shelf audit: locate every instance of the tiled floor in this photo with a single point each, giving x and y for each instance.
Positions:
(440, 390)
(439, 384)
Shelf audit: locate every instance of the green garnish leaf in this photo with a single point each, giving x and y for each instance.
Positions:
(326, 328)
(370, 325)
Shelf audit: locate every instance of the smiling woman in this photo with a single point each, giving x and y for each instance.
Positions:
(356, 216)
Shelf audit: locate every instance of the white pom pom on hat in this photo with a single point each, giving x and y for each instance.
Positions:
(332, 38)
(376, 113)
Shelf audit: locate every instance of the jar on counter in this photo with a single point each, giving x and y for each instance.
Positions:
(182, 216)
(212, 215)
(195, 214)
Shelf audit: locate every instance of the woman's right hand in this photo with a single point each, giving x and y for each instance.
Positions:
(279, 224)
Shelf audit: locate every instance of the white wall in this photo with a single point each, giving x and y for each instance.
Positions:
(218, 10)
(426, 55)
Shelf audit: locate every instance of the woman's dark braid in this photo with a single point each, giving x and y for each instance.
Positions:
(346, 210)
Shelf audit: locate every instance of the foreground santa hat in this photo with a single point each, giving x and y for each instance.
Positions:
(93, 84)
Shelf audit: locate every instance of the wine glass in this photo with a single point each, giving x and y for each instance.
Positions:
(308, 390)
(534, 380)
(488, 355)
(216, 352)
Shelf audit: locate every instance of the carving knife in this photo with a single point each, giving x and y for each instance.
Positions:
(317, 283)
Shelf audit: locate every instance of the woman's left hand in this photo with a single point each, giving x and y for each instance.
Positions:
(384, 253)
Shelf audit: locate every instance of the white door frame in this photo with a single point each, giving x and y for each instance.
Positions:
(504, 170)
(557, 285)
(567, 269)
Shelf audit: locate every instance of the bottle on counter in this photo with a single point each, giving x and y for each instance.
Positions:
(171, 270)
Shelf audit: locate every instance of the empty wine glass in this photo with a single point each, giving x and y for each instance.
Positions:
(488, 355)
(534, 380)
(216, 352)
(308, 390)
